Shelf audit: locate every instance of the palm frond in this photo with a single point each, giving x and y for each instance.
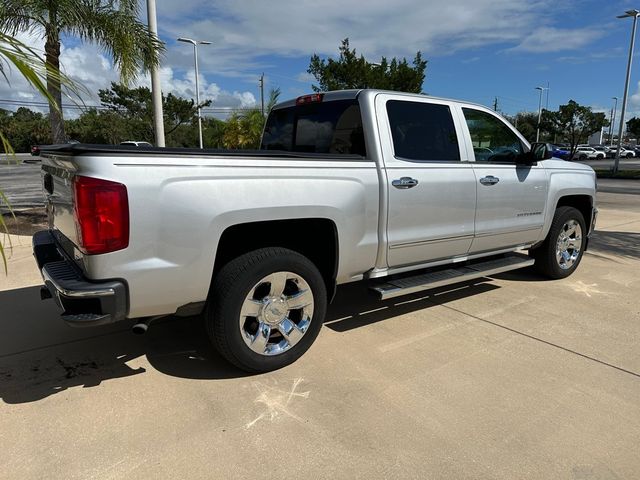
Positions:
(29, 64)
(115, 28)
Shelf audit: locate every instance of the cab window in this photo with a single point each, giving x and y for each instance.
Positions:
(422, 131)
(493, 141)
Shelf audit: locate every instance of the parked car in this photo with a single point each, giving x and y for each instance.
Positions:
(624, 153)
(560, 152)
(584, 153)
(402, 191)
(604, 149)
(134, 143)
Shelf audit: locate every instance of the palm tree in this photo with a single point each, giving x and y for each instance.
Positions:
(111, 24)
(244, 129)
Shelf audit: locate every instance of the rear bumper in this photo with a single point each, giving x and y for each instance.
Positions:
(84, 302)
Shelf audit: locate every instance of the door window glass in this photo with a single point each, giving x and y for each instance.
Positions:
(493, 141)
(422, 131)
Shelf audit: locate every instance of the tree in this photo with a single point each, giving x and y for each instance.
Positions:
(351, 71)
(24, 128)
(527, 124)
(111, 24)
(574, 123)
(633, 127)
(244, 129)
(135, 106)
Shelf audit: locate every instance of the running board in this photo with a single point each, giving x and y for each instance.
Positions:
(440, 278)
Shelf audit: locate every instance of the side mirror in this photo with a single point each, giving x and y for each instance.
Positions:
(539, 151)
(542, 151)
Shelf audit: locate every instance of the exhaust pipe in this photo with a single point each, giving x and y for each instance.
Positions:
(142, 325)
(140, 328)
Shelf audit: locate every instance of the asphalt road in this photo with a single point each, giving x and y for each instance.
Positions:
(20, 181)
(514, 377)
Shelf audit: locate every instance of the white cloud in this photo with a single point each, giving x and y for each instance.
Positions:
(244, 30)
(547, 39)
(89, 67)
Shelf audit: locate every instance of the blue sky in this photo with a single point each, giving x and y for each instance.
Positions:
(477, 49)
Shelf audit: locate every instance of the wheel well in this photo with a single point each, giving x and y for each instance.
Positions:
(583, 203)
(315, 238)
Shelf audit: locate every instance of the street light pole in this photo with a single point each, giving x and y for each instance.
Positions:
(195, 44)
(539, 113)
(613, 120)
(156, 89)
(634, 14)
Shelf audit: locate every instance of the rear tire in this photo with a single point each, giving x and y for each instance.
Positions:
(266, 309)
(561, 252)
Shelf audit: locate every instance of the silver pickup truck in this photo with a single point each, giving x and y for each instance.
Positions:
(406, 192)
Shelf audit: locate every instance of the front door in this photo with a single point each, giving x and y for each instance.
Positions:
(431, 186)
(511, 198)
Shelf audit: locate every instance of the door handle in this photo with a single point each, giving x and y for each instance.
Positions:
(405, 182)
(489, 180)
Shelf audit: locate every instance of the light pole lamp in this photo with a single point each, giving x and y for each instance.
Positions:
(613, 120)
(539, 113)
(195, 44)
(634, 14)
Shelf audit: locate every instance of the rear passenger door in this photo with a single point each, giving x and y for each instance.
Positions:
(511, 197)
(430, 185)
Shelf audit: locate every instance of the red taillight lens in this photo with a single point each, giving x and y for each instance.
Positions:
(102, 215)
(313, 98)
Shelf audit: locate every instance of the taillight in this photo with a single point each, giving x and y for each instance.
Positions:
(102, 215)
(313, 98)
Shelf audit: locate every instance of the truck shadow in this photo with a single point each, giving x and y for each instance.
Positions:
(40, 356)
(355, 306)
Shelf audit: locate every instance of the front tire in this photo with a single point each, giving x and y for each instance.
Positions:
(561, 252)
(266, 309)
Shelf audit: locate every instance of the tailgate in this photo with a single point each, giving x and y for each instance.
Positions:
(57, 181)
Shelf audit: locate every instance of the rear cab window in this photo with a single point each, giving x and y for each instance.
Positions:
(332, 127)
(422, 131)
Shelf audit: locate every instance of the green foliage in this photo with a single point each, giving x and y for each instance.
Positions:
(244, 129)
(527, 124)
(573, 123)
(24, 128)
(351, 71)
(135, 108)
(633, 127)
(111, 24)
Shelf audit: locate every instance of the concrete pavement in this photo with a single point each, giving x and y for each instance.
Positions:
(515, 377)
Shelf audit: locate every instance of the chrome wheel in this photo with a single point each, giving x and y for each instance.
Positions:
(569, 244)
(276, 313)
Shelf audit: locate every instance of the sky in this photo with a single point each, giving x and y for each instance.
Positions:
(477, 50)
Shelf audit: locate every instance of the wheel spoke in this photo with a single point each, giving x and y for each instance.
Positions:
(566, 257)
(260, 339)
(299, 300)
(250, 308)
(571, 229)
(290, 331)
(277, 281)
(575, 242)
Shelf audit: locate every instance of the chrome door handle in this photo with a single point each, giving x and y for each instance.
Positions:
(489, 180)
(405, 182)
